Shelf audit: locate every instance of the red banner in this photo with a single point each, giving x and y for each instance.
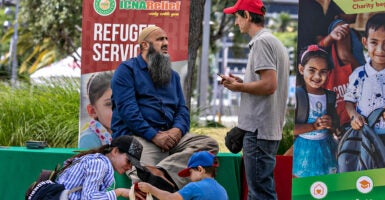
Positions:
(111, 28)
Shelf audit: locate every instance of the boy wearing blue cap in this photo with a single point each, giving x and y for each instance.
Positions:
(201, 169)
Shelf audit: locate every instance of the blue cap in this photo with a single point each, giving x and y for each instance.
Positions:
(201, 158)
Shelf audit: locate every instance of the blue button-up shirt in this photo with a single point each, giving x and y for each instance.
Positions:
(142, 109)
(94, 173)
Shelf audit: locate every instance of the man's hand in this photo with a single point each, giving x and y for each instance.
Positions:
(231, 82)
(175, 134)
(167, 140)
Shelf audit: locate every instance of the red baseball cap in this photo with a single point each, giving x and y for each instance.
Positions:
(254, 6)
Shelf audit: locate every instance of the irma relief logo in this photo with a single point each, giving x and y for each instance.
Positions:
(104, 7)
(150, 5)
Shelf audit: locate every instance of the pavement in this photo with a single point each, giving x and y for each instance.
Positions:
(227, 121)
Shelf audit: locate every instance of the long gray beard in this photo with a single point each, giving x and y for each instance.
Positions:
(159, 67)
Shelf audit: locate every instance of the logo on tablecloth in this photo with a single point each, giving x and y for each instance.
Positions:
(318, 190)
(364, 184)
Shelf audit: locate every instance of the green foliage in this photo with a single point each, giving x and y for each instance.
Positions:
(289, 39)
(287, 135)
(282, 22)
(49, 113)
(56, 20)
(4, 47)
(47, 31)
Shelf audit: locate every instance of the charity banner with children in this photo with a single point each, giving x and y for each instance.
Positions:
(110, 32)
(339, 145)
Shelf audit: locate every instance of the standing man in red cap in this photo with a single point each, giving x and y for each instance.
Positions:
(263, 97)
(148, 102)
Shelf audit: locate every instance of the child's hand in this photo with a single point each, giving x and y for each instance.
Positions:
(137, 193)
(122, 192)
(340, 32)
(323, 122)
(144, 187)
(357, 121)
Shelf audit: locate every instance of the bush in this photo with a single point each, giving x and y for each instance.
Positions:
(287, 135)
(42, 112)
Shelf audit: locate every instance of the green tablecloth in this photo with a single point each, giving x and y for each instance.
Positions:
(20, 166)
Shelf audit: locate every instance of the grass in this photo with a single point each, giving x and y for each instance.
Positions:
(216, 133)
(219, 133)
(51, 113)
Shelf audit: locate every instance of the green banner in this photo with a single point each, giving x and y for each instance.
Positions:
(361, 6)
(319, 21)
(362, 185)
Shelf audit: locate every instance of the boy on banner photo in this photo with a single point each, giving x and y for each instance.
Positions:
(366, 89)
(362, 146)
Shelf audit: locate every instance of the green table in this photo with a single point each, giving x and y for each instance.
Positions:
(20, 166)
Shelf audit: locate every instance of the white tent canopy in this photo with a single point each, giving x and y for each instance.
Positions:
(65, 68)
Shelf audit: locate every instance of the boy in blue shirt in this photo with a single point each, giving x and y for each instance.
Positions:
(201, 170)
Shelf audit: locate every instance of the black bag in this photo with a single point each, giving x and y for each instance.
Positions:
(145, 175)
(234, 139)
(362, 149)
(45, 187)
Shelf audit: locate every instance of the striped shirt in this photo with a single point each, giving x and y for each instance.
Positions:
(94, 173)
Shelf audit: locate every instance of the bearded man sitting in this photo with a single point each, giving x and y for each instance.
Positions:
(148, 103)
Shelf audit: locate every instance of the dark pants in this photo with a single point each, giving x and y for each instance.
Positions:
(259, 158)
